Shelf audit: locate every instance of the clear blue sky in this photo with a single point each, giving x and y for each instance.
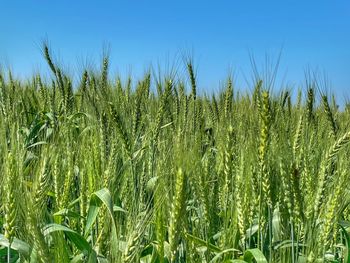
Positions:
(220, 34)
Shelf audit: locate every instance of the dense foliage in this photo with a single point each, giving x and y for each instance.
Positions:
(150, 172)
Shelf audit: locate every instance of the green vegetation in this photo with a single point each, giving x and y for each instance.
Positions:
(115, 172)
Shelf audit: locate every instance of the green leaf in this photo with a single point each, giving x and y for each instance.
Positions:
(14, 256)
(276, 224)
(33, 256)
(219, 255)
(202, 242)
(102, 259)
(75, 237)
(78, 115)
(288, 244)
(22, 247)
(151, 184)
(252, 231)
(347, 241)
(119, 209)
(67, 213)
(71, 204)
(36, 144)
(99, 198)
(150, 254)
(344, 223)
(255, 254)
(78, 258)
(78, 240)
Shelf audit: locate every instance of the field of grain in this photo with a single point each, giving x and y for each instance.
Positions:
(147, 170)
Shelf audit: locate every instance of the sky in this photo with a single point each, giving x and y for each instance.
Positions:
(222, 37)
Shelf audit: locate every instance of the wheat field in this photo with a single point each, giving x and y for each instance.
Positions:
(147, 170)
